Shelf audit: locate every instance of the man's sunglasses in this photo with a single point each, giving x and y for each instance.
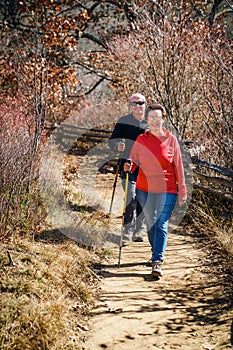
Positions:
(134, 103)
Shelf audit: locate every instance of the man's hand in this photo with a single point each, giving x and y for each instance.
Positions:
(121, 146)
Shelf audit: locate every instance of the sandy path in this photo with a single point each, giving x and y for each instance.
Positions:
(187, 308)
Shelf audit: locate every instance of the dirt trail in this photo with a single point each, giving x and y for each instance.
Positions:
(189, 308)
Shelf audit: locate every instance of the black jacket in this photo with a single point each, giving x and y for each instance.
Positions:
(128, 128)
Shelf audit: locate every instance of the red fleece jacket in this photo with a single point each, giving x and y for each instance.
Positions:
(160, 164)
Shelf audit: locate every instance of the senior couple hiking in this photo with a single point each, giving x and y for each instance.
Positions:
(155, 175)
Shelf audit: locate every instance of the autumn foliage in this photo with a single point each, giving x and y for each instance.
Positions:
(55, 55)
(81, 60)
(185, 64)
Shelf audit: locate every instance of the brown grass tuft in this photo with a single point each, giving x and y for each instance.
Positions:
(46, 293)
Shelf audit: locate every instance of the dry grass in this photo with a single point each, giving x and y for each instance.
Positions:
(213, 217)
(48, 288)
(46, 293)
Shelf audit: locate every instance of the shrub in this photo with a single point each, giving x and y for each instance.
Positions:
(18, 167)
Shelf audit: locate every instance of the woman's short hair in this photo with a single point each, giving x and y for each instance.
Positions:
(157, 106)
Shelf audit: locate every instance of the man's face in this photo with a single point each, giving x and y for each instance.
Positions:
(138, 107)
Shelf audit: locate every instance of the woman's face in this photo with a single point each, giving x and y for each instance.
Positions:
(155, 120)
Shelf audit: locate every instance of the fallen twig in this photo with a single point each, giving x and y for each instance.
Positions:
(94, 274)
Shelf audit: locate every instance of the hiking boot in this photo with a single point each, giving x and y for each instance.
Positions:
(127, 234)
(125, 243)
(157, 269)
(127, 237)
(137, 237)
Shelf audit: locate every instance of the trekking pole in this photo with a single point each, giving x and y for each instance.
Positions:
(114, 184)
(115, 180)
(123, 214)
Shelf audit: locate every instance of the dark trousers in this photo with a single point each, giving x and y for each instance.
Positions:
(133, 219)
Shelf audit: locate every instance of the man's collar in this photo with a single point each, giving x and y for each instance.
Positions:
(139, 120)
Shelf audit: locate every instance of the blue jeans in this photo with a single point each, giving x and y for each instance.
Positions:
(157, 208)
(133, 218)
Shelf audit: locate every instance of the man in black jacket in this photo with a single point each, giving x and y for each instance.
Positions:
(126, 131)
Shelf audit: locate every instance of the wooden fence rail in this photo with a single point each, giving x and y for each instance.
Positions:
(82, 133)
(205, 175)
(206, 178)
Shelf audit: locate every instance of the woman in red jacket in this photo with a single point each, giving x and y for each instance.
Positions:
(160, 180)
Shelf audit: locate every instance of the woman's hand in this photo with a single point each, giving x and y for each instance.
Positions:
(182, 200)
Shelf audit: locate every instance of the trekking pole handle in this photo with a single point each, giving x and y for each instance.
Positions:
(127, 165)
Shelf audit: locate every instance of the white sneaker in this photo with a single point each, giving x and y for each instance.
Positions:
(149, 262)
(157, 269)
